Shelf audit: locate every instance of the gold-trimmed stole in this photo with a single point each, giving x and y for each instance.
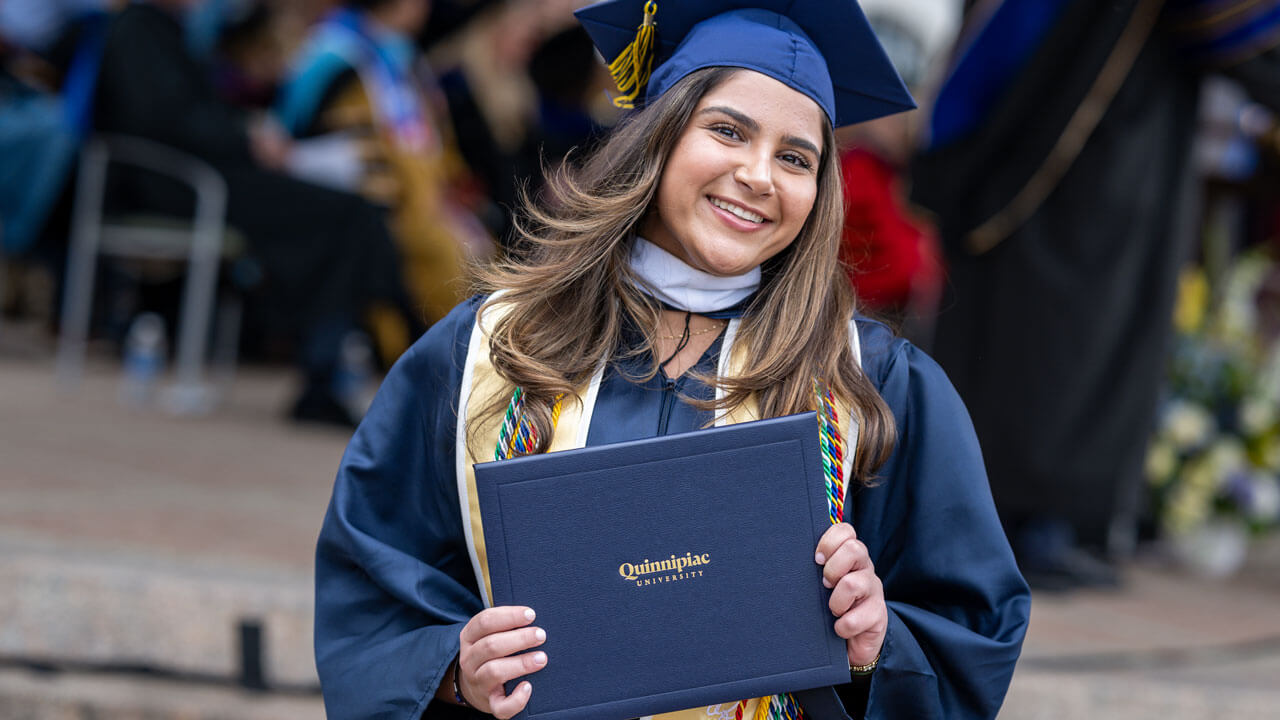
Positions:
(482, 385)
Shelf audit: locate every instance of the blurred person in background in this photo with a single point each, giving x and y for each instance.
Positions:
(523, 89)
(890, 251)
(571, 87)
(248, 59)
(49, 50)
(38, 141)
(35, 26)
(1058, 166)
(493, 103)
(447, 18)
(326, 256)
(359, 87)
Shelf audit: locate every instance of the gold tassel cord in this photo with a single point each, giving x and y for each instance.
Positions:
(632, 67)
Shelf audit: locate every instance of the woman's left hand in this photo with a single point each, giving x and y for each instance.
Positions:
(857, 597)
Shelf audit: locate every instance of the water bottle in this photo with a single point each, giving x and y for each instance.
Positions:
(144, 360)
(353, 379)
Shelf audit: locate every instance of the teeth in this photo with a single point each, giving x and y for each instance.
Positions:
(744, 214)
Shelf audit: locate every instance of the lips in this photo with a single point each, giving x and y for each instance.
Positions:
(746, 216)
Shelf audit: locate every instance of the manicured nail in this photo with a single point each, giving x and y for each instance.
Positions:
(529, 614)
(826, 583)
(540, 658)
(540, 634)
(820, 559)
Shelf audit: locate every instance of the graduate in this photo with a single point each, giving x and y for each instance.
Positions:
(685, 275)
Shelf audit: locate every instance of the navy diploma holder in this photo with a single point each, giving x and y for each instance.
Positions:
(669, 573)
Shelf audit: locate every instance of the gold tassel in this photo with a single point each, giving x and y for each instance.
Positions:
(631, 69)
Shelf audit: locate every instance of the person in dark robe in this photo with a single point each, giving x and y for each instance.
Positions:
(493, 103)
(326, 256)
(39, 143)
(685, 274)
(566, 75)
(1059, 169)
(358, 84)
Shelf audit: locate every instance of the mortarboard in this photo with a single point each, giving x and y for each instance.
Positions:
(822, 48)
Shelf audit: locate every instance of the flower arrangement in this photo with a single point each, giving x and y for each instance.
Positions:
(1215, 455)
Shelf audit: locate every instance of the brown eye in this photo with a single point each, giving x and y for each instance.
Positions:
(799, 161)
(727, 131)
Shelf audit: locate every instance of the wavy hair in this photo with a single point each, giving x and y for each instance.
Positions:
(570, 290)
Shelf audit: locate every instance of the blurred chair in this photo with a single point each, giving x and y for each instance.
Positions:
(201, 242)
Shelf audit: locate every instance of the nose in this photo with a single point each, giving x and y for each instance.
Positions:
(755, 172)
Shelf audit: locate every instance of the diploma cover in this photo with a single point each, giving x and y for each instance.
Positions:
(669, 573)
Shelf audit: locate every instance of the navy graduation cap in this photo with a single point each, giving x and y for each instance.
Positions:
(822, 48)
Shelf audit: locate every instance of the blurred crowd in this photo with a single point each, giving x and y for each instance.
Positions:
(1027, 224)
(370, 150)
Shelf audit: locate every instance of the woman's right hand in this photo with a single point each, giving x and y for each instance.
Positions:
(487, 659)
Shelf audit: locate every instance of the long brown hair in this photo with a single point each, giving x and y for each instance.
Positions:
(570, 290)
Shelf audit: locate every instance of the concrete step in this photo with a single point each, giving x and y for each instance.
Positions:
(27, 695)
(1237, 690)
(132, 610)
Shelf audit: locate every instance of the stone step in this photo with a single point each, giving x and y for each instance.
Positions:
(1234, 690)
(27, 695)
(131, 610)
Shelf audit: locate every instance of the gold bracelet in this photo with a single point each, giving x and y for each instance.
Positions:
(865, 669)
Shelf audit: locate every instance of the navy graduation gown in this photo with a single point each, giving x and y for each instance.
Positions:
(394, 582)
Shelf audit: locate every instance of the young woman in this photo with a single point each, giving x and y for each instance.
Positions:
(686, 276)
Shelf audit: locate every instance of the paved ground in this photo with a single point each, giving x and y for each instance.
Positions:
(132, 540)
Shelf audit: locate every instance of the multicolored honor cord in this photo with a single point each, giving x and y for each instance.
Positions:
(518, 436)
(832, 445)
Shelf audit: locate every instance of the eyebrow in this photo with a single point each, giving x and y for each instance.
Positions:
(750, 124)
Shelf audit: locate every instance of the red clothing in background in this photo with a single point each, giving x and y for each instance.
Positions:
(891, 255)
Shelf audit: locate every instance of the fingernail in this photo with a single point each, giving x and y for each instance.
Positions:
(820, 559)
(540, 634)
(540, 658)
(826, 583)
(529, 614)
(527, 687)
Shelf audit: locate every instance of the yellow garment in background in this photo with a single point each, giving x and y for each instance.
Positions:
(413, 187)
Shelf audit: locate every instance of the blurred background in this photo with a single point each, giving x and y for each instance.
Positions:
(222, 220)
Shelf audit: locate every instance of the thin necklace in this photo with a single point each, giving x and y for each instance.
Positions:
(714, 328)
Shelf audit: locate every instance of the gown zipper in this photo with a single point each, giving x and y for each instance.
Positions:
(668, 402)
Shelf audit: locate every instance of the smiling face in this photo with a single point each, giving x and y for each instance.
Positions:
(742, 177)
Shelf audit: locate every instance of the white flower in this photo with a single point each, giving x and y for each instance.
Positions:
(1203, 475)
(1189, 507)
(1266, 498)
(1188, 424)
(1239, 311)
(1256, 416)
(1268, 380)
(1162, 460)
(1226, 456)
(1238, 320)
